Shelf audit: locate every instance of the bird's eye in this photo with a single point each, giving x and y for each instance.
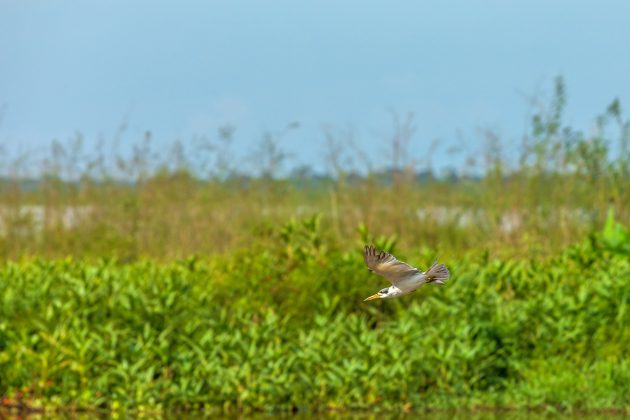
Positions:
(383, 292)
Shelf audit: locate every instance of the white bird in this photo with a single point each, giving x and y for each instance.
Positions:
(403, 277)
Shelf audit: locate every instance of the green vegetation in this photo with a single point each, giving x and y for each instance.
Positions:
(181, 291)
(263, 330)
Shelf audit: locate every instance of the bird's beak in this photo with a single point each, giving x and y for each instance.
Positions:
(375, 296)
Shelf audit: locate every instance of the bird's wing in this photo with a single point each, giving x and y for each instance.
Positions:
(386, 265)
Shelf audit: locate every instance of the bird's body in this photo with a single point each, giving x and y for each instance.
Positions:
(403, 277)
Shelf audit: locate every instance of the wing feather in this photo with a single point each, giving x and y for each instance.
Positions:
(386, 265)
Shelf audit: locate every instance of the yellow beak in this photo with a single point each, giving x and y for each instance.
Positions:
(376, 296)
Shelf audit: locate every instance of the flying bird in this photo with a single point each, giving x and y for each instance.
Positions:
(403, 277)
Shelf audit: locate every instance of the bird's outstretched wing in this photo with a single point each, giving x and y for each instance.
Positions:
(386, 265)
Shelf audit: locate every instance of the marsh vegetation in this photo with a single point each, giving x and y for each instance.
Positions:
(188, 285)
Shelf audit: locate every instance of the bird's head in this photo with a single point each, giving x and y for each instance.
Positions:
(382, 294)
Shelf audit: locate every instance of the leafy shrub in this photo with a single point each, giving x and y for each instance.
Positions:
(287, 328)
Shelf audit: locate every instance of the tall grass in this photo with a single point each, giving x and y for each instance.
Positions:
(193, 200)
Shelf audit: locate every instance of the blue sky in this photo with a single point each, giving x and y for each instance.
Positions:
(183, 69)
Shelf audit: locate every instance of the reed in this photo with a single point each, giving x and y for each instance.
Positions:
(192, 200)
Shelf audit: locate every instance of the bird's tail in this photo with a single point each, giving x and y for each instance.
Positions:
(438, 273)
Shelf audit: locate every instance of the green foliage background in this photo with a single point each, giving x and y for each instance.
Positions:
(263, 330)
(176, 291)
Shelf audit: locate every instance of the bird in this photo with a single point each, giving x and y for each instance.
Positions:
(403, 277)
